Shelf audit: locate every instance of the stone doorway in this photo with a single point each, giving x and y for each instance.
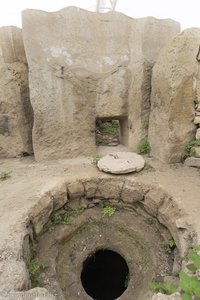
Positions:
(111, 132)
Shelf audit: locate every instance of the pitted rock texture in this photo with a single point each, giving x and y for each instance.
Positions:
(84, 66)
(121, 163)
(15, 109)
(175, 91)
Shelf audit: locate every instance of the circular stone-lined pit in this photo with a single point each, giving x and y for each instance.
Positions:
(105, 275)
(68, 250)
(128, 219)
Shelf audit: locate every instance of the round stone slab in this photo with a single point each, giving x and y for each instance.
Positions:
(121, 163)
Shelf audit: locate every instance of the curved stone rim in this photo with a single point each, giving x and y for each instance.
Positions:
(156, 201)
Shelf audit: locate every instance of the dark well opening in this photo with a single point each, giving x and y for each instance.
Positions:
(105, 275)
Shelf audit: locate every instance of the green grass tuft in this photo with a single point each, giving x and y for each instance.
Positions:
(62, 217)
(144, 147)
(189, 148)
(96, 159)
(162, 287)
(35, 269)
(4, 176)
(109, 211)
(169, 246)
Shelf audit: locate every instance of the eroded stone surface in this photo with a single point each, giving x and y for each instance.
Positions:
(121, 163)
(41, 212)
(153, 200)
(132, 193)
(175, 90)
(15, 110)
(160, 296)
(75, 190)
(196, 151)
(198, 134)
(89, 70)
(14, 275)
(193, 162)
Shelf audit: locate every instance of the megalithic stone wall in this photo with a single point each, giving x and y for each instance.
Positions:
(84, 66)
(175, 93)
(16, 116)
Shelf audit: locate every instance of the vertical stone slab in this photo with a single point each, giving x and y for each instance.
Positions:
(84, 66)
(149, 37)
(175, 84)
(15, 109)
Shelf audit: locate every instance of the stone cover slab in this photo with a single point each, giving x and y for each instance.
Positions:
(121, 163)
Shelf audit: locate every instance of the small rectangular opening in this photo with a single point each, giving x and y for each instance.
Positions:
(107, 132)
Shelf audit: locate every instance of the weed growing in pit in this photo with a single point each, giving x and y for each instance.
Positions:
(169, 246)
(35, 269)
(144, 147)
(109, 210)
(4, 176)
(189, 284)
(189, 148)
(96, 159)
(62, 217)
(162, 287)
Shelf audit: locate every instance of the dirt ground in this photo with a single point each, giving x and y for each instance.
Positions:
(28, 179)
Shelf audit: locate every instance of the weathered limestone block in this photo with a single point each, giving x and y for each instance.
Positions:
(75, 190)
(91, 187)
(153, 200)
(198, 107)
(175, 89)
(40, 213)
(197, 120)
(84, 66)
(192, 162)
(154, 35)
(59, 195)
(15, 109)
(132, 192)
(196, 151)
(56, 190)
(110, 189)
(198, 134)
